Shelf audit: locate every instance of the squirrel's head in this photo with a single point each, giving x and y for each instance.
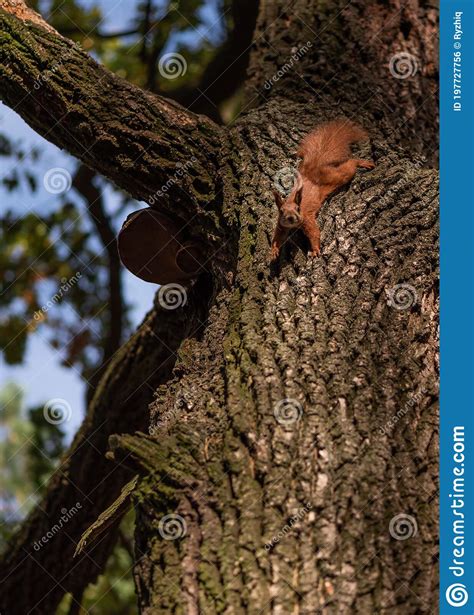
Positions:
(290, 209)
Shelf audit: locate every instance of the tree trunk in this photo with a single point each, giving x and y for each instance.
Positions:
(329, 334)
(294, 442)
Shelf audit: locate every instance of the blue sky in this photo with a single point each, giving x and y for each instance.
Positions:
(41, 376)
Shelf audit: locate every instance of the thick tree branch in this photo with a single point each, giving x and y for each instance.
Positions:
(85, 475)
(323, 332)
(22, 11)
(136, 139)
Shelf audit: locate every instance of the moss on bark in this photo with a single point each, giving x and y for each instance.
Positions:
(324, 332)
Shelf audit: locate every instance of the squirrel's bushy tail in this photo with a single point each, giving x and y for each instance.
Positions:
(329, 143)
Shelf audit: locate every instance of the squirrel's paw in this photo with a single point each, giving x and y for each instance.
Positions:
(314, 253)
(274, 252)
(366, 164)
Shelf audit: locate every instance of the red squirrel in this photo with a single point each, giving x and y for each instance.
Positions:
(326, 165)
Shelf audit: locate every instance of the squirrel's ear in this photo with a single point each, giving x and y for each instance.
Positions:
(278, 199)
(298, 195)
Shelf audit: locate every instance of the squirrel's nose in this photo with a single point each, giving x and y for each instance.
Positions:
(291, 219)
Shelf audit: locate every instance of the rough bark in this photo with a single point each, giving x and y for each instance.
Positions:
(85, 474)
(322, 332)
(354, 53)
(134, 138)
(325, 332)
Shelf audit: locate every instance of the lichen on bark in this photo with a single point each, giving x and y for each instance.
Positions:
(323, 332)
